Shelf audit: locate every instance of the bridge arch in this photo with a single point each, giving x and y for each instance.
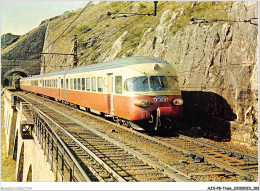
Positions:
(15, 146)
(20, 165)
(29, 174)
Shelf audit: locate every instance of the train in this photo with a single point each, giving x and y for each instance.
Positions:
(139, 92)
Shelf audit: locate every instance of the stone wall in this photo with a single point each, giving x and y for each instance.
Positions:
(31, 162)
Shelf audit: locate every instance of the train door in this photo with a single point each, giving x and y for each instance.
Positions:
(110, 91)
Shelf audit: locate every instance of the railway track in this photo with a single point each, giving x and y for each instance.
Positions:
(104, 157)
(244, 165)
(218, 160)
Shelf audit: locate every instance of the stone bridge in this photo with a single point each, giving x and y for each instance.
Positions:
(23, 68)
(40, 154)
(25, 148)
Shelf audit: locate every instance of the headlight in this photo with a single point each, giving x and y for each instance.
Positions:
(142, 103)
(177, 101)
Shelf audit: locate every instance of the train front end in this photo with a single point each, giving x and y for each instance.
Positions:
(154, 97)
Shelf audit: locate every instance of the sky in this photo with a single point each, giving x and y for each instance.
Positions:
(20, 16)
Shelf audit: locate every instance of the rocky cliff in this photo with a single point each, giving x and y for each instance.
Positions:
(213, 46)
(8, 39)
(27, 47)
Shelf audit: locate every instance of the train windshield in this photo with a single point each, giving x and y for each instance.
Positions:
(158, 83)
(152, 83)
(137, 84)
(172, 82)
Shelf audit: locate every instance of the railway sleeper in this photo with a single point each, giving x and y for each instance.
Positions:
(109, 149)
(106, 150)
(152, 178)
(140, 172)
(120, 155)
(128, 164)
(249, 167)
(117, 168)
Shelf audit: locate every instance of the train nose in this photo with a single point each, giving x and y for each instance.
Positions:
(164, 111)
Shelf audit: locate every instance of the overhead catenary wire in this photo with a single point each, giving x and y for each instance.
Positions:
(67, 27)
(97, 26)
(198, 21)
(130, 23)
(61, 34)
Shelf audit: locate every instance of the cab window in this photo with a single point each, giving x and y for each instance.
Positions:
(139, 84)
(158, 83)
(173, 82)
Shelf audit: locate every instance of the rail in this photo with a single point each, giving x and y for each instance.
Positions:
(167, 170)
(58, 154)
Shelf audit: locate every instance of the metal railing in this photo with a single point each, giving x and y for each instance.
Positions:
(63, 163)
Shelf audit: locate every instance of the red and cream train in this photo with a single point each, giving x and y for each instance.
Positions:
(141, 92)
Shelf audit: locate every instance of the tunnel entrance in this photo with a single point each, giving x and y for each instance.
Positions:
(12, 75)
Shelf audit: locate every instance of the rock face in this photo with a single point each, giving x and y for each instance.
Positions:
(31, 42)
(16, 59)
(8, 39)
(217, 66)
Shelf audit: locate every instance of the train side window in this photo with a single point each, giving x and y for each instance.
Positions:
(75, 83)
(83, 84)
(94, 84)
(67, 83)
(118, 84)
(88, 84)
(79, 84)
(71, 83)
(56, 83)
(100, 84)
(61, 83)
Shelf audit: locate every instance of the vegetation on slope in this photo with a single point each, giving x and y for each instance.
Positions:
(97, 32)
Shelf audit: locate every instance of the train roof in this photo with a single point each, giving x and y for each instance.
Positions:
(122, 62)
